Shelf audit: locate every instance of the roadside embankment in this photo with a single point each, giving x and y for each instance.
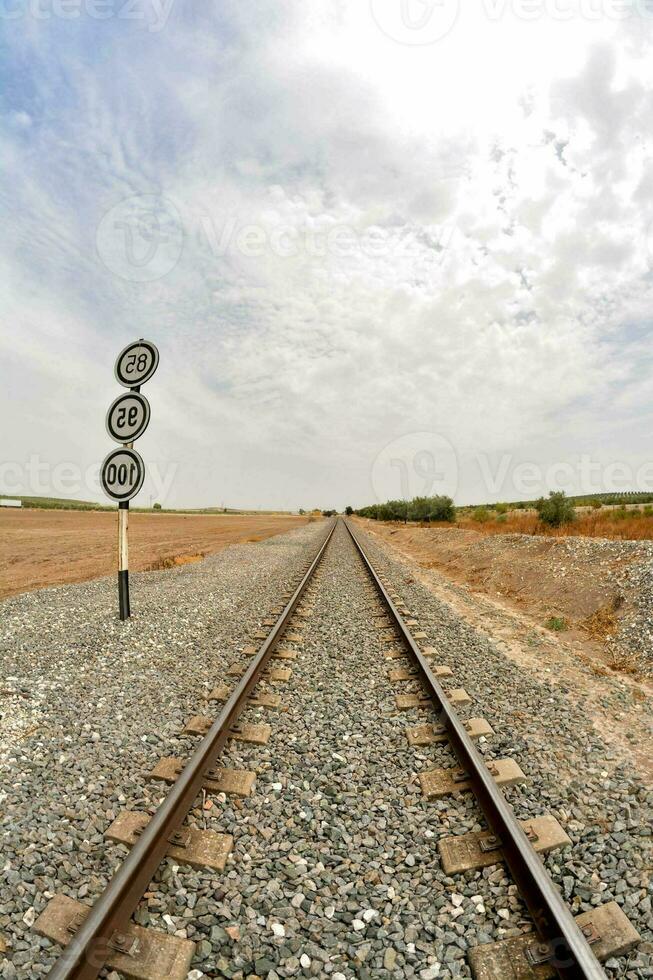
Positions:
(598, 591)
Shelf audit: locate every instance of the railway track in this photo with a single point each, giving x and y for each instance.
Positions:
(560, 945)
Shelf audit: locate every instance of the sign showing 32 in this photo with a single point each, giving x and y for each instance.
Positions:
(136, 363)
(128, 417)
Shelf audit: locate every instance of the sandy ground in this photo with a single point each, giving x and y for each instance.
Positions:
(620, 706)
(39, 548)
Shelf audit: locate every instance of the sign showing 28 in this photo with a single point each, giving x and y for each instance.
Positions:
(136, 363)
(128, 417)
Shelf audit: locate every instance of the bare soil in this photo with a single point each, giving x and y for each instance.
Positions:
(39, 548)
(543, 577)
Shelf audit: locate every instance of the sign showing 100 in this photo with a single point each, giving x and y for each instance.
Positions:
(123, 473)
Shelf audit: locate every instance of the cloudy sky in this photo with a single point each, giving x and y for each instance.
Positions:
(384, 247)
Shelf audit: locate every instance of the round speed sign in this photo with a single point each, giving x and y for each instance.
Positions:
(128, 417)
(136, 363)
(122, 474)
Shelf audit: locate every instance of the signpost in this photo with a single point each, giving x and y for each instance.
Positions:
(123, 470)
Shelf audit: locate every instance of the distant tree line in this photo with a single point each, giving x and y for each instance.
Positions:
(424, 509)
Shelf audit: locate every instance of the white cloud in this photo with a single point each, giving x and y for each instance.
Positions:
(374, 239)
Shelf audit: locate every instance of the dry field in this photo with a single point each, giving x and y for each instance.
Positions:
(39, 548)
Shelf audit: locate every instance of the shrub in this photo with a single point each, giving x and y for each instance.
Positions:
(501, 508)
(555, 510)
(596, 505)
(556, 623)
(481, 514)
(156, 507)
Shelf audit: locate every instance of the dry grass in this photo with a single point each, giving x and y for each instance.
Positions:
(171, 561)
(597, 524)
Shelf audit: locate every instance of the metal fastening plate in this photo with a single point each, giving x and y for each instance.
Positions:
(402, 674)
(237, 782)
(233, 782)
(219, 693)
(167, 769)
(124, 942)
(611, 934)
(406, 701)
(280, 674)
(476, 727)
(283, 654)
(204, 849)
(473, 851)
(256, 734)
(422, 735)
(427, 734)
(198, 725)
(264, 700)
(156, 955)
(458, 695)
(443, 782)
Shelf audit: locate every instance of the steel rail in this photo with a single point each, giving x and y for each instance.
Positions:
(572, 954)
(85, 955)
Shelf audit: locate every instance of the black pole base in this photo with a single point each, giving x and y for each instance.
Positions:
(123, 594)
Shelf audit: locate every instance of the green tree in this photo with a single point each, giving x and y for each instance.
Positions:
(349, 510)
(555, 510)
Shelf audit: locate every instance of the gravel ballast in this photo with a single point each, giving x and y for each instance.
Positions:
(335, 870)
